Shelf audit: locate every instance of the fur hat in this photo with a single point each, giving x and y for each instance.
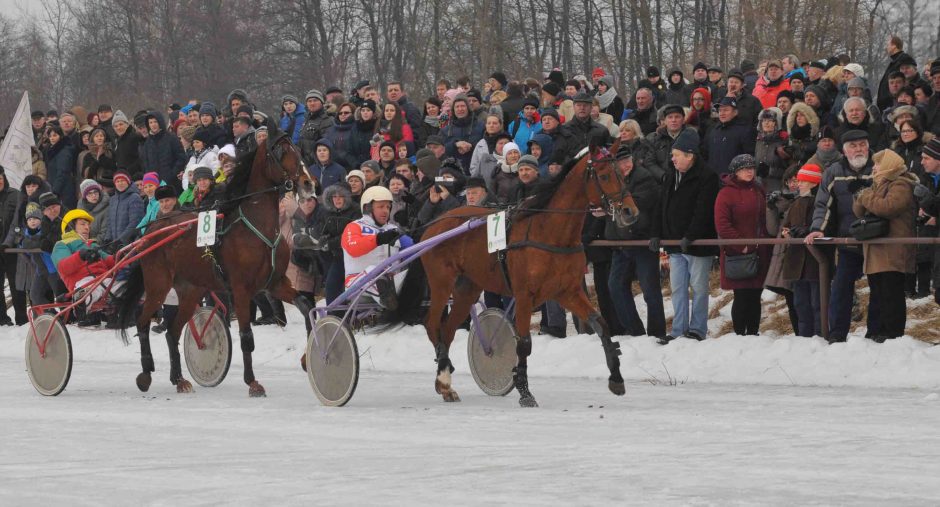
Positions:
(475, 182)
(87, 186)
(187, 132)
(772, 113)
(167, 191)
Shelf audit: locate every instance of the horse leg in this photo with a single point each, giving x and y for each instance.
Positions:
(466, 293)
(242, 302)
(578, 303)
(439, 295)
(523, 350)
(188, 301)
(150, 306)
(286, 292)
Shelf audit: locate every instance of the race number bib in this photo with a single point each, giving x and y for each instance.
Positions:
(496, 232)
(205, 232)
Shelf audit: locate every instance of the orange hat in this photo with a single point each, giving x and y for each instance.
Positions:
(810, 173)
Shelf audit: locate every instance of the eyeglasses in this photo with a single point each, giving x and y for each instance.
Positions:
(908, 131)
(345, 113)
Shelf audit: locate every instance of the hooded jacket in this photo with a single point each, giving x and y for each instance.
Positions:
(163, 153)
(298, 120)
(677, 93)
(801, 140)
(100, 213)
(522, 130)
(9, 201)
(336, 220)
(329, 173)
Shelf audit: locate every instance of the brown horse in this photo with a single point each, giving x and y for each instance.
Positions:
(544, 261)
(250, 259)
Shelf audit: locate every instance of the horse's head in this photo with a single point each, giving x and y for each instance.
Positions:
(288, 168)
(606, 187)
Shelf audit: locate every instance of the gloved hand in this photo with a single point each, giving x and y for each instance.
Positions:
(89, 255)
(654, 245)
(407, 197)
(859, 184)
(921, 191)
(685, 244)
(387, 237)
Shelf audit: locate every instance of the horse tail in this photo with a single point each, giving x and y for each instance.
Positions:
(126, 303)
(411, 298)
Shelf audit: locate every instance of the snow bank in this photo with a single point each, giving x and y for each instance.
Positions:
(730, 359)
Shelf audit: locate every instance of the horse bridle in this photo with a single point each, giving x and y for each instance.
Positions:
(288, 183)
(591, 174)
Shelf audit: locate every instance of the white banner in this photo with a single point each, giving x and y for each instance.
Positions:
(15, 155)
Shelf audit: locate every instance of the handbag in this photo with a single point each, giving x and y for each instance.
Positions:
(742, 267)
(869, 227)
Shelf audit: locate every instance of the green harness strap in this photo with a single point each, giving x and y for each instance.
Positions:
(272, 245)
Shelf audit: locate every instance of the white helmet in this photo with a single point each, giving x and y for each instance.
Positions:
(376, 193)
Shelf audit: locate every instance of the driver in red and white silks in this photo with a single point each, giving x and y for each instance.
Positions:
(372, 239)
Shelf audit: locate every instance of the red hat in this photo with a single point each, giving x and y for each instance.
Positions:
(810, 173)
(598, 72)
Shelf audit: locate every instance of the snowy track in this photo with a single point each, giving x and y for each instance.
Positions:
(103, 442)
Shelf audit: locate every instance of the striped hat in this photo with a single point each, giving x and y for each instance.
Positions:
(151, 178)
(932, 148)
(810, 173)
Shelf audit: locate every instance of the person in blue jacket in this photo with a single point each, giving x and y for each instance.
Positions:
(542, 147)
(124, 212)
(526, 125)
(292, 117)
(324, 169)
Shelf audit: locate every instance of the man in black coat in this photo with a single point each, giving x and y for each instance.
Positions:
(897, 56)
(396, 94)
(933, 105)
(748, 106)
(687, 213)
(728, 138)
(162, 152)
(665, 136)
(126, 146)
(643, 110)
(636, 262)
(582, 130)
(9, 200)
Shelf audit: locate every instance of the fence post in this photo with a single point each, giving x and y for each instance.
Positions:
(823, 260)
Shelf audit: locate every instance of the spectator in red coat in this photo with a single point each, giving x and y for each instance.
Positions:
(771, 84)
(739, 214)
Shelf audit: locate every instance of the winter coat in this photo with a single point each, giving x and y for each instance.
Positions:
(70, 266)
(342, 146)
(802, 142)
(336, 220)
(305, 265)
(503, 184)
(60, 166)
(884, 96)
(832, 212)
(926, 253)
(329, 173)
(739, 214)
(100, 168)
(217, 135)
(483, 164)
(9, 201)
(615, 109)
(584, 133)
(646, 191)
(647, 157)
(461, 129)
(776, 212)
(522, 131)
(766, 91)
(647, 119)
(297, 119)
(27, 264)
(688, 210)
(678, 94)
(660, 144)
(431, 210)
(127, 154)
(770, 165)
(315, 126)
(162, 153)
(413, 115)
(891, 196)
(100, 213)
(124, 213)
(749, 108)
(360, 147)
(206, 158)
(932, 115)
(726, 141)
(798, 263)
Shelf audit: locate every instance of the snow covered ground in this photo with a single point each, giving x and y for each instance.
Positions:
(732, 421)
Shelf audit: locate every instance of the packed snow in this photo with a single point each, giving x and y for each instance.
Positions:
(733, 420)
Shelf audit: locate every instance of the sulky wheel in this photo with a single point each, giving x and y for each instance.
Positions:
(332, 361)
(49, 372)
(209, 365)
(491, 350)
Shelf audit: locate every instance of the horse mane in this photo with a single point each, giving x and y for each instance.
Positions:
(237, 184)
(545, 189)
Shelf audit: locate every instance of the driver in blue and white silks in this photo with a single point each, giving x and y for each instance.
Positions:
(372, 239)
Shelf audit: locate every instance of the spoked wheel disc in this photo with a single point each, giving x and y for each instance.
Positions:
(491, 350)
(332, 361)
(208, 365)
(49, 373)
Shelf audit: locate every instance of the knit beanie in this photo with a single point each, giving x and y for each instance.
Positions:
(932, 148)
(687, 141)
(151, 178)
(121, 175)
(810, 173)
(87, 186)
(33, 210)
(314, 94)
(119, 116)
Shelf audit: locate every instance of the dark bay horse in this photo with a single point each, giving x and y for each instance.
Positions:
(248, 258)
(544, 261)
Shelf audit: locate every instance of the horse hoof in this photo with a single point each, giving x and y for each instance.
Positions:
(255, 390)
(528, 402)
(183, 386)
(617, 388)
(143, 382)
(450, 396)
(303, 361)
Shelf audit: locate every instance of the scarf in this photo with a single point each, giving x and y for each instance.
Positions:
(434, 121)
(800, 133)
(828, 157)
(606, 98)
